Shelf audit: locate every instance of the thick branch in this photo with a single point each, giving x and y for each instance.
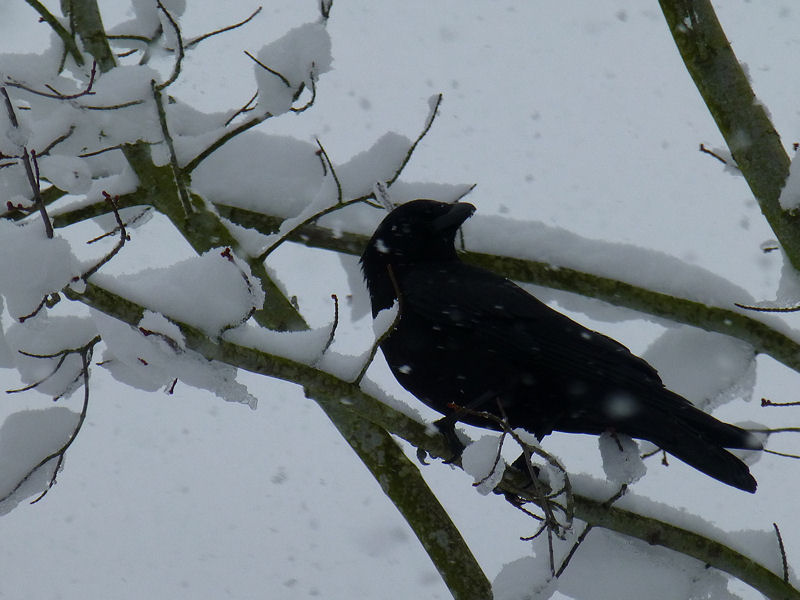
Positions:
(404, 485)
(89, 26)
(761, 336)
(741, 118)
(69, 43)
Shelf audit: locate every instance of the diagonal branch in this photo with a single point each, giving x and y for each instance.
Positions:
(69, 43)
(740, 117)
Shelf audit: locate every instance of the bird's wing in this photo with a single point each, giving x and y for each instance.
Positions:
(520, 328)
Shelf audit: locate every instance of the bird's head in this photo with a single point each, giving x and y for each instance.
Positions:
(419, 231)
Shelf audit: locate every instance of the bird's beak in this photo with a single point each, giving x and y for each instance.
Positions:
(453, 218)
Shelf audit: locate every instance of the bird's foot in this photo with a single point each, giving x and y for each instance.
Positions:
(447, 428)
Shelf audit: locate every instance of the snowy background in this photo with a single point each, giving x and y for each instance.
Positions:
(581, 118)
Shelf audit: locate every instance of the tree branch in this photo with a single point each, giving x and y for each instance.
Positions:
(69, 43)
(741, 118)
(89, 26)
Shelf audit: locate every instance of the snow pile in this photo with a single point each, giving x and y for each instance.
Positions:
(151, 357)
(622, 462)
(482, 460)
(297, 58)
(38, 357)
(32, 266)
(189, 291)
(26, 438)
(526, 578)
(728, 365)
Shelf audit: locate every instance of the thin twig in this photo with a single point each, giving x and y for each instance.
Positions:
(244, 109)
(333, 171)
(54, 93)
(335, 324)
(768, 402)
(176, 69)
(574, 549)
(774, 309)
(113, 106)
(313, 78)
(101, 151)
(56, 141)
(497, 457)
(86, 357)
(26, 161)
(428, 123)
(35, 312)
(205, 36)
(783, 553)
(712, 153)
(219, 142)
(60, 362)
(123, 237)
(307, 221)
(277, 74)
(784, 454)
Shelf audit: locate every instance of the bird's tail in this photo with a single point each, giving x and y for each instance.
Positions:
(699, 440)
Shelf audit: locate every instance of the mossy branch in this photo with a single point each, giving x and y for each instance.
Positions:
(741, 118)
(69, 42)
(764, 338)
(339, 395)
(89, 27)
(403, 483)
(761, 336)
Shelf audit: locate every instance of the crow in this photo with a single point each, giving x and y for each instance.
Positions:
(468, 341)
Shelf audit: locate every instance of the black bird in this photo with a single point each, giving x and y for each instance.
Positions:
(468, 340)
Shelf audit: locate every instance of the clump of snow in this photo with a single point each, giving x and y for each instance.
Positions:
(481, 460)
(26, 438)
(526, 578)
(610, 565)
(122, 84)
(189, 290)
(68, 173)
(276, 174)
(149, 358)
(378, 163)
(300, 56)
(301, 346)
(344, 366)
(385, 319)
(728, 365)
(45, 336)
(622, 461)
(758, 545)
(32, 266)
